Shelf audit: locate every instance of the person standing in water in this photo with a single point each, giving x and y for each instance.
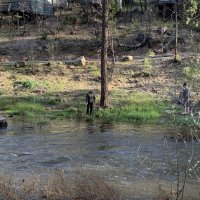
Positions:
(90, 99)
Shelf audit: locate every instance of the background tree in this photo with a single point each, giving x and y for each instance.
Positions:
(104, 47)
(176, 32)
(191, 11)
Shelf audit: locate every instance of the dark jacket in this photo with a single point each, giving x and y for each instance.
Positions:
(186, 93)
(90, 97)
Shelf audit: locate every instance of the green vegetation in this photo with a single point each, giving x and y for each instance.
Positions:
(28, 109)
(192, 72)
(94, 69)
(147, 68)
(161, 23)
(137, 107)
(31, 106)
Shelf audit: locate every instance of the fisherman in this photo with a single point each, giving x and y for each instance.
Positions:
(186, 98)
(90, 99)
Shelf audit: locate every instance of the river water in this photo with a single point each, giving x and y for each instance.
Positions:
(136, 157)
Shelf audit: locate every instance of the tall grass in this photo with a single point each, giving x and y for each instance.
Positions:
(137, 107)
(126, 108)
(192, 72)
(28, 109)
(28, 105)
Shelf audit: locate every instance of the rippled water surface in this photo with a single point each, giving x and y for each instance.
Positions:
(134, 156)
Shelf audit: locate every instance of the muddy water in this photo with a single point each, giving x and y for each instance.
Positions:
(137, 158)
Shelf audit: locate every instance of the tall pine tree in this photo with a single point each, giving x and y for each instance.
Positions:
(104, 52)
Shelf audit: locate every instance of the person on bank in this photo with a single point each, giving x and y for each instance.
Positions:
(90, 99)
(186, 98)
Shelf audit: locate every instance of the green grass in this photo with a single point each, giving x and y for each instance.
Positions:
(192, 72)
(32, 84)
(161, 23)
(148, 66)
(28, 105)
(69, 113)
(137, 107)
(126, 108)
(27, 109)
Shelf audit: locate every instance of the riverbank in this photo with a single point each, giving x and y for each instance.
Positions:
(139, 90)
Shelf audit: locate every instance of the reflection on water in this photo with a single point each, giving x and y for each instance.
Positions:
(132, 155)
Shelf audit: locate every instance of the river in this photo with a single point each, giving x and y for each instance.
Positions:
(136, 157)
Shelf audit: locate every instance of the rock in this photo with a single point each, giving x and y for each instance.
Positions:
(81, 61)
(59, 63)
(3, 122)
(121, 27)
(162, 30)
(127, 58)
(20, 64)
(71, 66)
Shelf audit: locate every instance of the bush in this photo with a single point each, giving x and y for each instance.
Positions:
(44, 35)
(27, 84)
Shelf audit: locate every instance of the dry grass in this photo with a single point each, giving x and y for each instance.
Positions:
(58, 186)
(166, 194)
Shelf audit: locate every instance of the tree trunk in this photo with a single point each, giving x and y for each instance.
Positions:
(52, 3)
(141, 6)
(176, 33)
(145, 4)
(104, 47)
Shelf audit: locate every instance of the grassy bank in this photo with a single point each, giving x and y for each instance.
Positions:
(134, 107)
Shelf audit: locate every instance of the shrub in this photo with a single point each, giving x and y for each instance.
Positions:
(27, 84)
(44, 35)
(147, 68)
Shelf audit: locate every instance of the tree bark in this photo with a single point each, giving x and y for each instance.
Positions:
(141, 6)
(104, 47)
(176, 33)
